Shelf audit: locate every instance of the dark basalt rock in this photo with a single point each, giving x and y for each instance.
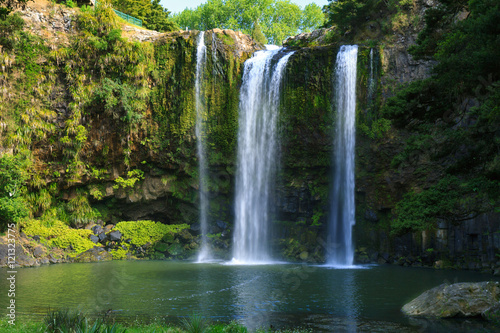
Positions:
(102, 237)
(97, 229)
(115, 236)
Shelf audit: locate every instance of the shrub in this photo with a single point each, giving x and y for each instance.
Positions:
(8, 29)
(142, 232)
(55, 233)
(194, 324)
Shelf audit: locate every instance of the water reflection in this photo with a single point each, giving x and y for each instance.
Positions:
(350, 299)
(251, 297)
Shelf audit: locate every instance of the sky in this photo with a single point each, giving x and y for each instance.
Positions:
(177, 6)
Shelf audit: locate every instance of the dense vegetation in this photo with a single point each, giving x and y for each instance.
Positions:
(58, 100)
(151, 12)
(370, 19)
(277, 19)
(452, 118)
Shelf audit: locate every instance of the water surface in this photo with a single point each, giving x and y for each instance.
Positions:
(324, 299)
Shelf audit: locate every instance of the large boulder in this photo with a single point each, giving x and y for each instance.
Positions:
(455, 300)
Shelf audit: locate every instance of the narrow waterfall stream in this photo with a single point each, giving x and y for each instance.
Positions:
(257, 154)
(201, 58)
(340, 251)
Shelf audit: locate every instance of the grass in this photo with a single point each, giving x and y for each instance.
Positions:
(70, 322)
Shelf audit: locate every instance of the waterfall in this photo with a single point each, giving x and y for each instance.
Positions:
(257, 154)
(201, 58)
(340, 246)
(371, 79)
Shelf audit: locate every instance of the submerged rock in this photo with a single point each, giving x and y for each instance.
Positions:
(455, 300)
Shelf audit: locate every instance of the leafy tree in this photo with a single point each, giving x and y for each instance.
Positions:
(312, 17)
(277, 19)
(257, 33)
(9, 26)
(438, 22)
(151, 12)
(346, 14)
(158, 18)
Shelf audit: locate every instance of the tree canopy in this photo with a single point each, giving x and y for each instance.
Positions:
(151, 12)
(276, 19)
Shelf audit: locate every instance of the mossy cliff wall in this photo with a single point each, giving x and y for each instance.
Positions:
(307, 125)
(169, 155)
(103, 127)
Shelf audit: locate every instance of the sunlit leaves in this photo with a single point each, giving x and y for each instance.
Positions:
(278, 19)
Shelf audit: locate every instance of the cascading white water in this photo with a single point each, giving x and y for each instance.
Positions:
(371, 78)
(257, 155)
(201, 58)
(340, 250)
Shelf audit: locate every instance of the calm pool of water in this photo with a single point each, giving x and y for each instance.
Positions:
(324, 299)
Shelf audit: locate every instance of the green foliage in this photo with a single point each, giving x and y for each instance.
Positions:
(121, 101)
(70, 3)
(80, 211)
(277, 18)
(119, 253)
(257, 33)
(194, 324)
(55, 233)
(368, 19)
(13, 177)
(377, 128)
(316, 218)
(65, 321)
(232, 327)
(451, 199)
(438, 21)
(9, 28)
(151, 12)
(133, 176)
(28, 50)
(347, 14)
(415, 104)
(99, 22)
(306, 108)
(462, 140)
(142, 232)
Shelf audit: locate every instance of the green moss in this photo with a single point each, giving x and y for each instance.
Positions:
(175, 249)
(143, 232)
(119, 253)
(57, 234)
(162, 247)
(307, 108)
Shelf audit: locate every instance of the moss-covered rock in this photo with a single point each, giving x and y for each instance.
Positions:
(456, 300)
